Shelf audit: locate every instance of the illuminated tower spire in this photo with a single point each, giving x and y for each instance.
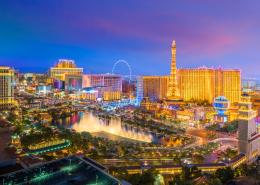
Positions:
(172, 92)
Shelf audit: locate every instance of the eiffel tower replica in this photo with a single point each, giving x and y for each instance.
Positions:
(173, 96)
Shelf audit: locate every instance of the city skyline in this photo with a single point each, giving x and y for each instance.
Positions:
(35, 35)
(129, 92)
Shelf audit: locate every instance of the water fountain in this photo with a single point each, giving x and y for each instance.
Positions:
(114, 126)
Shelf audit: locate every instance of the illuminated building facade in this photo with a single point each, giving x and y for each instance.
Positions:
(139, 90)
(73, 82)
(155, 87)
(64, 67)
(6, 87)
(58, 84)
(111, 95)
(208, 83)
(248, 135)
(109, 82)
(128, 88)
(89, 96)
(108, 86)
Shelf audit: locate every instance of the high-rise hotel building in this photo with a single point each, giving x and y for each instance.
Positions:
(193, 84)
(208, 83)
(108, 86)
(65, 67)
(155, 87)
(66, 75)
(6, 87)
(109, 82)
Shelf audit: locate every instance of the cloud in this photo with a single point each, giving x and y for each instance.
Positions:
(206, 32)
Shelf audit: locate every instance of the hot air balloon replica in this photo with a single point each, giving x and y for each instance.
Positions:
(221, 105)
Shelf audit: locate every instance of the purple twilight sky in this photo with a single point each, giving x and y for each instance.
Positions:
(35, 33)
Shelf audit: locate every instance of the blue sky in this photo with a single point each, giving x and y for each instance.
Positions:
(34, 34)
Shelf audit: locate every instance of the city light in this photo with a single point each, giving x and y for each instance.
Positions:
(131, 92)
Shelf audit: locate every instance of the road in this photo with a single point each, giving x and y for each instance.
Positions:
(225, 140)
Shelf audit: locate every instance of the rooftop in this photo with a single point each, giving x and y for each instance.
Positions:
(70, 170)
